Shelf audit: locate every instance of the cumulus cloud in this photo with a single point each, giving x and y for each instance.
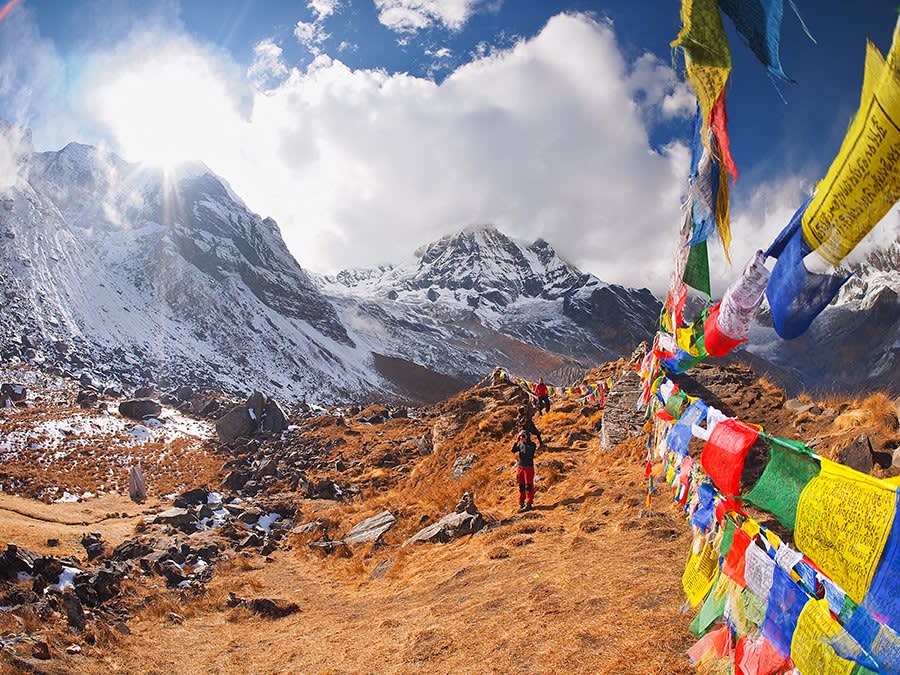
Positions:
(409, 16)
(311, 35)
(544, 139)
(323, 8)
(267, 67)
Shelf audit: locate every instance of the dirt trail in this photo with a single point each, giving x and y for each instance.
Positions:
(580, 584)
(31, 523)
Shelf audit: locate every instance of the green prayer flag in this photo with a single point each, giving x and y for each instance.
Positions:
(789, 469)
(696, 269)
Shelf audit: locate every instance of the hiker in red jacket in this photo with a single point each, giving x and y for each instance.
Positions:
(543, 396)
(524, 448)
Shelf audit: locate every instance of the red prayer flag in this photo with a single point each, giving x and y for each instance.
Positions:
(724, 454)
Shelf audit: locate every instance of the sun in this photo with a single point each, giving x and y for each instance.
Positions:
(165, 110)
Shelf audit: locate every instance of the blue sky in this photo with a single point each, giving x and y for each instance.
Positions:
(302, 69)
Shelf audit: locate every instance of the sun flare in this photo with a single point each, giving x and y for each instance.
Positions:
(166, 110)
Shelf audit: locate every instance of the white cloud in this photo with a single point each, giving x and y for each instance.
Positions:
(323, 8)
(409, 16)
(360, 167)
(267, 67)
(311, 35)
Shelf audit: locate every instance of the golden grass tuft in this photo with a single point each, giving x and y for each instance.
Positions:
(875, 414)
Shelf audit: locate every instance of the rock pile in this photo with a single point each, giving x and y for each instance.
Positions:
(465, 519)
(259, 416)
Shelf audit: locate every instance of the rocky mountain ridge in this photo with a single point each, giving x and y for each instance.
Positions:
(138, 275)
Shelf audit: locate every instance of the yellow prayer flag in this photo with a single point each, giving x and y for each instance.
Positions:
(707, 57)
(844, 518)
(811, 649)
(723, 210)
(699, 574)
(863, 182)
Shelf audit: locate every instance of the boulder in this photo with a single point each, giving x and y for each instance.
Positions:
(139, 408)
(14, 392)
(449, 527)
(85, 380)
(86, 398)
(236, 423)
(466, 519)
(176, 516)
(144, 392)
(194, 497)
(16, 559)
(184, 393)
(93, 545)
(274, 420)
(257, 403)
(370, 529)
(857, 454)
(74, 611)
(463, 465)
(620, 419)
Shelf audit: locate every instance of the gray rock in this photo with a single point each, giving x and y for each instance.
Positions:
(463, 465)
(274, 421)
(267, 467)
(14, 392)
(257, 403)
(144, 392)
(370, 529)
(175, 516)
(236, 423)
(797, 405)
(451, 526)
(382, 568)
(858, 454)
(139, 408)
(184, 393)
(312, 527)
(425, 445)
(620, 419)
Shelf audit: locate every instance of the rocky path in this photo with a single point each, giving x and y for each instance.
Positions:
(580, 584)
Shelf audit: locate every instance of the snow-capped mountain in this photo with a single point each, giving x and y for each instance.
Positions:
(855, 342)
(479, 298)
(163, 278)
(139, 275)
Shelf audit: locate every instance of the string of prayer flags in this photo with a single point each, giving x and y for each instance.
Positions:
(878, 642)
(863, 182)
(680, 434)
(724, 454)
(758, 657)
(797, 296)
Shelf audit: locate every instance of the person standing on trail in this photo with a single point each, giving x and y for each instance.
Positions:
(526, 423)
(524, 448)
(543, 396)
